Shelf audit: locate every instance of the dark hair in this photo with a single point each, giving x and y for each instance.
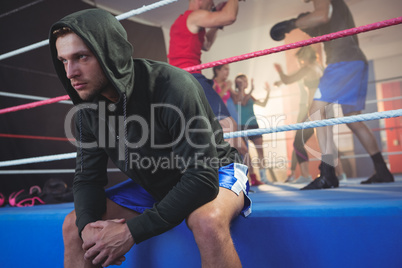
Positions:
(62, 32)
(217, 68)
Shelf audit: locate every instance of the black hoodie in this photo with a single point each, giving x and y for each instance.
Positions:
(174, 144)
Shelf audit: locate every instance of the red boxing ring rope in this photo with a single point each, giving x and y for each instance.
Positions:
(314, 40)
(16, 136)
(34, 104)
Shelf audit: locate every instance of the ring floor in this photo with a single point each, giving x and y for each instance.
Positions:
(352, 226)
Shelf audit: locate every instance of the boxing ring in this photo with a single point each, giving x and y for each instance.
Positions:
(351, 226)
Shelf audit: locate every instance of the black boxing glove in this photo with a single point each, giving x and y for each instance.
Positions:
(279, 30)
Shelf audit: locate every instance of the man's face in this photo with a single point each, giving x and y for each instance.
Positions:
(81, 66)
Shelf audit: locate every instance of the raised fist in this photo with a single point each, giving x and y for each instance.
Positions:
(279, 30)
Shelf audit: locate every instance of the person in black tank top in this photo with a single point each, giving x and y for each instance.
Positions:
(346, 65)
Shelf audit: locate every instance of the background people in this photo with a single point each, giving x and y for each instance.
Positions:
(189, 37)
(309, 75)
(248, 120)
(224, 88)
(344, 82)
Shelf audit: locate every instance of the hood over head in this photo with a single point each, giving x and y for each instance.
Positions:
(107, 39)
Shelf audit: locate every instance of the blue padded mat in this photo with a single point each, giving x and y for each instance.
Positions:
(352, 226)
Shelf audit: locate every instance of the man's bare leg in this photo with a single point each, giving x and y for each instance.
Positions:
(367, 139)
(324, 134)
(210, 225)
(322, 110)
(259, 146)
(73, 252)
(304, 171)
(365, 135)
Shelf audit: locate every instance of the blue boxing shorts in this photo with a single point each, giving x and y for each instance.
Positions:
(344, 83)
(215, 101)
(131, 195)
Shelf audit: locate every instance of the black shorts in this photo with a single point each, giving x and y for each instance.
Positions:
(248, 127)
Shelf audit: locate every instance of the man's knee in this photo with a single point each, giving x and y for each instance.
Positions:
(355, 126)
(207, 223)
(69, 226)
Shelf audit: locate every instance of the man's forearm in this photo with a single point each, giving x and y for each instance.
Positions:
(210, 37)
(321, 14)
(231, 8)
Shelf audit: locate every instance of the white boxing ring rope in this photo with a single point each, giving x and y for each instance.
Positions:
(119, 17)
(304, 125)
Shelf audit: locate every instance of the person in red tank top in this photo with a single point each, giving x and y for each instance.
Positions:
(188, 37)
(185, 46)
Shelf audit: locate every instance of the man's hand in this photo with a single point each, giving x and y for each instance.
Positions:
(89, 234)
(106, 242)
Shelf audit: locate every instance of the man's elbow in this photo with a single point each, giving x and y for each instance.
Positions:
(323, 17)
(231, 19)
(206, 48)
(227, 18)
(213, 188)
(214, 193)
(208, 194)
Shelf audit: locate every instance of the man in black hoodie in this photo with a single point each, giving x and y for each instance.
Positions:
(154, 122)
